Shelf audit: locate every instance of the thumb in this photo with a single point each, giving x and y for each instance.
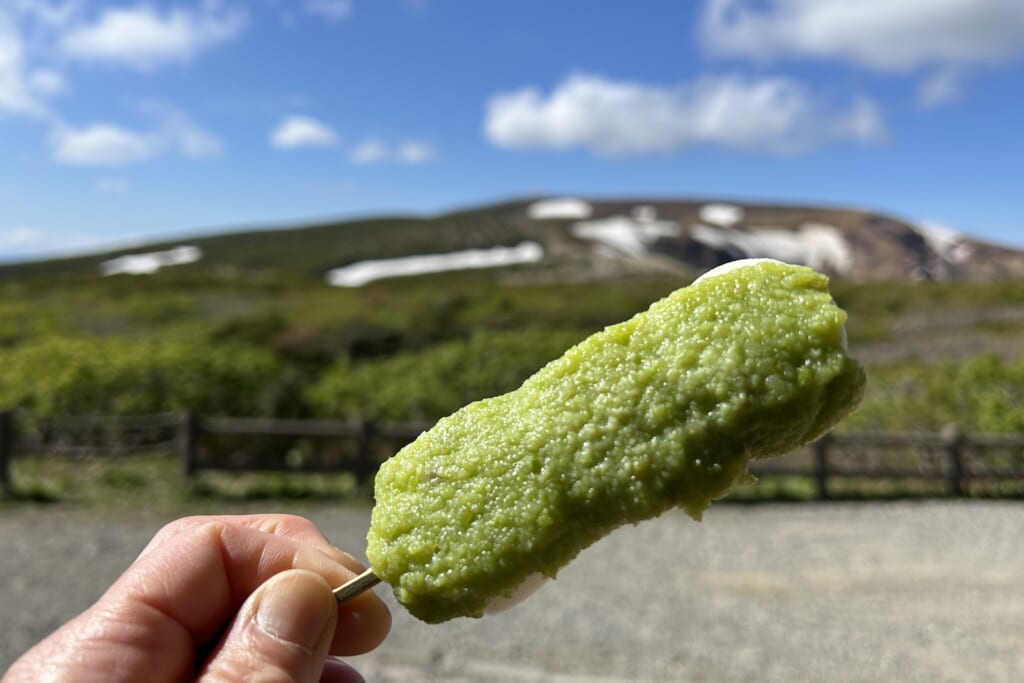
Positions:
(281, 633)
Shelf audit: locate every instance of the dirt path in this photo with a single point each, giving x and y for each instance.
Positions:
(839, 592)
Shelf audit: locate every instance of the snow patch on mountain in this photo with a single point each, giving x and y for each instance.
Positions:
(362, 272)
(725, 215)
(633, 235)
(817, 245)
(947, 243)
(151, 262)
(561, 208)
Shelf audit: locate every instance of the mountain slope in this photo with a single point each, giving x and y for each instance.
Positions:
(573, 239)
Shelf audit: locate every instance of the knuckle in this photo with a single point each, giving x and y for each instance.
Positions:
(284, 525)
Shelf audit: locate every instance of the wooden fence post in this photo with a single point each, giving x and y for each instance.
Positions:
(364, 465)
(188, 438)
(821, 466)
(6, 450)
(955, 472)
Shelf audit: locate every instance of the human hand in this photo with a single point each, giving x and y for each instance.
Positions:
(223, 599)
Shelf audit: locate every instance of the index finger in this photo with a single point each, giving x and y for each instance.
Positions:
(285, 526)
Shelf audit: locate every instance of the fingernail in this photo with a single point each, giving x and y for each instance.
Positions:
(294, 607)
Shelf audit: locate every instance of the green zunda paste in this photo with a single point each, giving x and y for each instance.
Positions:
(663, 410)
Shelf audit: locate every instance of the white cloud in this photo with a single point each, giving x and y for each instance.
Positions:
(108, 144)
(18, 94)
(941, 88)
(776, 115)
(46, 82)
(369, 152)
(331, 10)
(862, 122)
(144, 38)
(414, 152)
(409, 152)
(194, 142)
(38, 39)
(887, 35)
(102, 144)
(302, 131)
(178, 131)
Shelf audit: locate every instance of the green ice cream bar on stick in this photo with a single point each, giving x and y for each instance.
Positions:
(661, 411)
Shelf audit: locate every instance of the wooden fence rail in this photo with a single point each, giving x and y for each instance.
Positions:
(362, 434)
(957, 460)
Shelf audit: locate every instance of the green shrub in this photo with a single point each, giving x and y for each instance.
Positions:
(430, 384)
(67, 376)
(983, 394)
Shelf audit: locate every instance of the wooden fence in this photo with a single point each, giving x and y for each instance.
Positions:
(367, 440)
(955, 461)
(262, 443)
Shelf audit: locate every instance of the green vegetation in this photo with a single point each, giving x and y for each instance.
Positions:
(407, 349)
(876, 308)
(73, 376)
(429, 384)
(983, 394)
(145, 479)
(419, 348)
(152, 481)
(248, 341)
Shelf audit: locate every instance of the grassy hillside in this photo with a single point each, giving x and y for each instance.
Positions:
(142, 334)
(294, 346)
(307, 252)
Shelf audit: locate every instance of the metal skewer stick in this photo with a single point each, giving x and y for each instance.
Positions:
(354, 587)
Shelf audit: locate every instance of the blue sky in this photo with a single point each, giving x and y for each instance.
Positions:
(125, 121)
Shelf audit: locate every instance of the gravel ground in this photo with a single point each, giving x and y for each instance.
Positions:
(927, 591)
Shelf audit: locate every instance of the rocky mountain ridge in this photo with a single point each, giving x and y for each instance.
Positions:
(845, 243)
